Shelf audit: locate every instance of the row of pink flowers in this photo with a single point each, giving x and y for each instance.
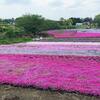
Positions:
(49, 47)
(71, 73)
(66, 34)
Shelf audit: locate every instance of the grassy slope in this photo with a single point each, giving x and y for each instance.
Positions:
(14, 40)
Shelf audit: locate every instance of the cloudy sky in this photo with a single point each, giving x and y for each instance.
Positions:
(52, 9)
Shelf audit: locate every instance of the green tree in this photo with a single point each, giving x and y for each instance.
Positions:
(50, 25)
(32, 24)
(9, 21)
(13, 32)
(69, 23)
(88, 19)
(76, 20)
(97, 20)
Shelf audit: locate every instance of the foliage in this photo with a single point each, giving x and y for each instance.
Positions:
(88, 19)
(14, 40)
(76, 20)
(97, 20)
(35, 25)
(50, 25)
(32, 24)
(66, 24)
(13, 31)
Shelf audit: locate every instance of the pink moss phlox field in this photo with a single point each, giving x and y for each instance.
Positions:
(73, 34)
(49, 47)
(70, 73)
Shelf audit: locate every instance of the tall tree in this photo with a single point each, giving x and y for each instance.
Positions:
(88, 19)
(97, 20)
(32, 24)
(76, 20)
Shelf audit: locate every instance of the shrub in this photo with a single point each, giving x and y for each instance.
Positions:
(12, 32)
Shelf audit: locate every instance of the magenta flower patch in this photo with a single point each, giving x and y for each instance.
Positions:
(73, 34)
(70, 73)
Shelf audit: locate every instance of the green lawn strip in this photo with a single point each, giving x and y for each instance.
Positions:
(15, 40)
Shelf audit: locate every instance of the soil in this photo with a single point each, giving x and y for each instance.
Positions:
(8, 92)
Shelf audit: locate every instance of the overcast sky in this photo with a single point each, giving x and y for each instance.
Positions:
(52, 9)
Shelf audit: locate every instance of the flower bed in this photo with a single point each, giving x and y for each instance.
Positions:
(83, 49)
(50, 46)
(73, 34)
(70, 73)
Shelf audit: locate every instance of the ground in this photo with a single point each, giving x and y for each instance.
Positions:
(8, 92)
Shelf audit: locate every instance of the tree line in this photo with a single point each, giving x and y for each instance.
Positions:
(34, 25)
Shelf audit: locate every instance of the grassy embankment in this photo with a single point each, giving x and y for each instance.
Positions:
(15, 40)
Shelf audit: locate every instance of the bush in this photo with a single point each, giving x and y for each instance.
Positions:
(12, 32)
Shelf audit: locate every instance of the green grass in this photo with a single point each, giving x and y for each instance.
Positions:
(14, 40)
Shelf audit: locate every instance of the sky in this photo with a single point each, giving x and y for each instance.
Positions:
(50, 9)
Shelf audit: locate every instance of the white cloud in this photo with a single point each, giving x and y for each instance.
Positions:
(53, 9)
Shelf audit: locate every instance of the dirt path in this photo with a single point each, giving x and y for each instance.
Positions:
(17, 93)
